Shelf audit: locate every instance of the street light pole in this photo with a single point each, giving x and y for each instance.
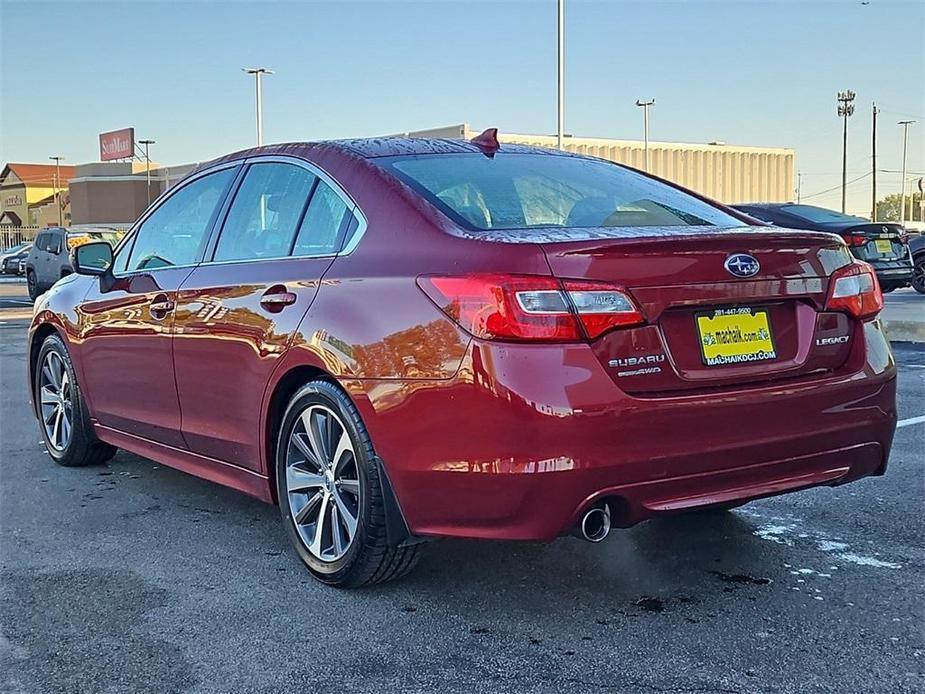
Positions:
(147, 165)
(902, 198)
(873, 165)
(258, 73)
(645, 120)
(560, 81)
(57, 161)
(845, 109)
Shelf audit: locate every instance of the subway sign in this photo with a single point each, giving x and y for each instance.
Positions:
(118, 144)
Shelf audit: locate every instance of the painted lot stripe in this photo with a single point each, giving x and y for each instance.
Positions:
(909, 422)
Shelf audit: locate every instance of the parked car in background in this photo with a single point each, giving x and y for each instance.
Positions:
(397, 339)
(917, 249)
(882, 244)
(13, 250)
(21, 269)
(9, 261)
(50, 258)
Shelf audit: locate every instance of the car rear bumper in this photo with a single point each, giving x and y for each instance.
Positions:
(525, 437)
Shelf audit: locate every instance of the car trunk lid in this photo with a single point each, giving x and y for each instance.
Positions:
(697, 310)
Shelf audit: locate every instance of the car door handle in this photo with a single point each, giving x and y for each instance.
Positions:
(160, 306)
(275, 298)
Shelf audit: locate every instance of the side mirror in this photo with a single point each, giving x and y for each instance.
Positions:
(92, 258)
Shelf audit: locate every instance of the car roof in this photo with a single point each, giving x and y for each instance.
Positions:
(763, 205)
(375, 147)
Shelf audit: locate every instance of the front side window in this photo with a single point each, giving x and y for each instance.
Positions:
(515, 191)
(41, 242)
(176, 231)
(325, 222)
(265, 214)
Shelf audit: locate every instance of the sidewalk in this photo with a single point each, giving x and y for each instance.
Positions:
(904, 316)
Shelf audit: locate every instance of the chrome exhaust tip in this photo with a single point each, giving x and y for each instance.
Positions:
(595, 523)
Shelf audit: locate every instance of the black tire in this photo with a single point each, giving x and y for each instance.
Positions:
(918, 274)
(32, 285)
(83, 448)
(369, 558)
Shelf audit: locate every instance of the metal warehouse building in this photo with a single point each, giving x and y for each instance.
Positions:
(728, 173)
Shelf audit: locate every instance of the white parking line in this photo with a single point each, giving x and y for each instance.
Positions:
(910, 421)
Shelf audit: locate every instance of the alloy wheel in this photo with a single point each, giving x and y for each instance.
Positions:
(322, 483)
(55, 401)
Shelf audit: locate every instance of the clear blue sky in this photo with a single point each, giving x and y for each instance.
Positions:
(756, 73)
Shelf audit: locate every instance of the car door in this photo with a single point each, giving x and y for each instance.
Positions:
(39, 257)
(126, 321)
(237, 312)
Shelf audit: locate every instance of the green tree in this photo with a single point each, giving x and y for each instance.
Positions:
(888, 208)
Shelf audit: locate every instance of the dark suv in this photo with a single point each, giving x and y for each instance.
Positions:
(50, 259)
(882, 244)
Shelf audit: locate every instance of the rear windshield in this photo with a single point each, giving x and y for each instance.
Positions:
(517, 191)
(820, 215)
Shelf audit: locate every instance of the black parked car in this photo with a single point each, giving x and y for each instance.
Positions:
(9, 259)
(882, 244)
(917, 247)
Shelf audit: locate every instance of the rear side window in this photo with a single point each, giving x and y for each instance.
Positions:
(175, 231)
(324, 225)
(265, 214)
(514, 191)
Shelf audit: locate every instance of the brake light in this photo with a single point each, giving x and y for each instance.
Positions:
(855, 239)
(531, 308)
(854, 289)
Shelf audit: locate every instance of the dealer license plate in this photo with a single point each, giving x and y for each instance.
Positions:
(735, 336)
(884, 246)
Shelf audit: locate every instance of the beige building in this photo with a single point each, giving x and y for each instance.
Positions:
(727, 173)
(111, 193)
(28, 194)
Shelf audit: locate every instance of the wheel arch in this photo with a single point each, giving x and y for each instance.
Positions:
(284, 388)
(39, 335)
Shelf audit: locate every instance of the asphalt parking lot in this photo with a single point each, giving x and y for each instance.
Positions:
(132, 577)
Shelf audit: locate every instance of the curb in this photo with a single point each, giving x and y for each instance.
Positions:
(904, 330)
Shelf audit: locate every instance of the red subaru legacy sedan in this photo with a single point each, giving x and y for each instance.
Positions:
(397, 339)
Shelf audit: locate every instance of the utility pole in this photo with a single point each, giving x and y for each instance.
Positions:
(799, 187)
(902, 199)
(57, 161)
(845, 110)
(645, 121)
(147, 165)
(873, 164)
(258, 73)
(560, 87)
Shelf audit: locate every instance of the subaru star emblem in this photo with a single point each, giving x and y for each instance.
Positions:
(742, 265)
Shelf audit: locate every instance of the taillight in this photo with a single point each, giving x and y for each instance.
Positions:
(531, 308)
(854, 289)
(855, 239)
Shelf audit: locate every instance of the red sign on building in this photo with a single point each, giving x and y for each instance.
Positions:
(118, 144)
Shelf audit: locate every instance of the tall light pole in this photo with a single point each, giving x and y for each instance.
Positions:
(57, 161)
(645, 120)
(258, 73)
(873, 164)
(147, 165)
(902, 198)
(845, 109)
(560, 81)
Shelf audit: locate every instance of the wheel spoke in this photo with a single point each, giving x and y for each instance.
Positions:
(343, 446)
(302, 517)
(299, 441)
(349, 486)
(315, 546)
(65, 429)
(315, 435)
(346, 515)
(335, 530)
(298, 480)
(48, 376)
(49, 396)
(56, 429)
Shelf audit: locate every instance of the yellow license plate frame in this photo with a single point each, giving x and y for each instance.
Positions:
(884, 246)
(739, 335)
